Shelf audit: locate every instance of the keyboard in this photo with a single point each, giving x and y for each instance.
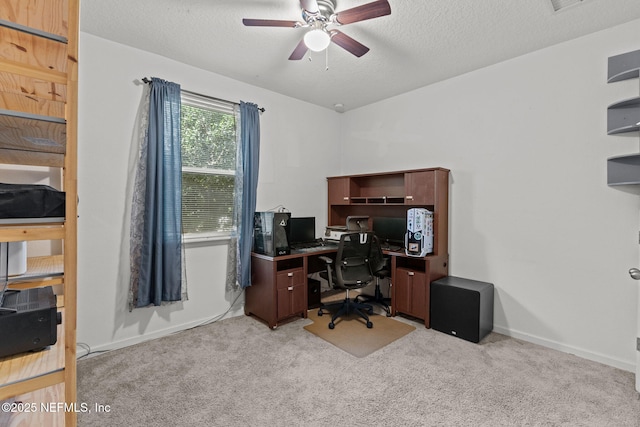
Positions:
(306, 245)
(392, 248)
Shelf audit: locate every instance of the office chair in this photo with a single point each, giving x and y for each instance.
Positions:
(380, 269)
(350, 271)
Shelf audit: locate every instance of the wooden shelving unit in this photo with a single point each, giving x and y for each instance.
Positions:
(392, 194)
(38, 127)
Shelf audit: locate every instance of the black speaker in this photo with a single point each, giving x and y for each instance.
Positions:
(462, 307)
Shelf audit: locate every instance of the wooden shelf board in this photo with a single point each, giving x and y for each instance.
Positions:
(32, 139)
(20, 233)
(46, 396)
(32, 384)
(33, 50)
(19, 157)
(51, 16)
(39, 268)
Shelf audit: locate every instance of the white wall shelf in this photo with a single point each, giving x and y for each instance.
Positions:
(622, 118)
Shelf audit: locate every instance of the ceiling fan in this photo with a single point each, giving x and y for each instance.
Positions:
(319, 16)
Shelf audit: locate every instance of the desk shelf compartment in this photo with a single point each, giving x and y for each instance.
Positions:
(378, 200)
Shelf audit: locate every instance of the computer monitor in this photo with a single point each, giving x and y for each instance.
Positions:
(302, 230)
(389, 230)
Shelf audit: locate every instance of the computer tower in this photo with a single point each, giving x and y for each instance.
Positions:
(28, 320)
(462, 307)
(271, 233)
(419, 236)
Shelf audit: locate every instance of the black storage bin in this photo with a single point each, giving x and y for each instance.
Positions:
(30, 201)
(462, 307)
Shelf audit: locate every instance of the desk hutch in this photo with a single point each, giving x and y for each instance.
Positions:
(279, 284)
(38, 127)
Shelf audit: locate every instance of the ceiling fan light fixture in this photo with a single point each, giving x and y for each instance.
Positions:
(317, 40)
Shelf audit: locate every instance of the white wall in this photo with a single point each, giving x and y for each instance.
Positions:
(530, 208)
(293, 160)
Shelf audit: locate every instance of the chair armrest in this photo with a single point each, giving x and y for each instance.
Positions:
(326, 259)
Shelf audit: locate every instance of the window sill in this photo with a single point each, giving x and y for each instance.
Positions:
(206, 238)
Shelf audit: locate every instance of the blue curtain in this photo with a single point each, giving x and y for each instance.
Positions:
(248, 161)
(156, 232)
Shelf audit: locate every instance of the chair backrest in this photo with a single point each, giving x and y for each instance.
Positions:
(376, 258)
(352, 267)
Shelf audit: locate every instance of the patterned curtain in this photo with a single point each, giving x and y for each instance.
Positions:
(245, 194)
(156, 216)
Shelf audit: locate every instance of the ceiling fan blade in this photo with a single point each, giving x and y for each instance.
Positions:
(310, 6)
(348, 44)
(299, 52)
(268, 23)
(364, 12)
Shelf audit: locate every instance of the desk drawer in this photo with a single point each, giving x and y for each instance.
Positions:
(288, 278)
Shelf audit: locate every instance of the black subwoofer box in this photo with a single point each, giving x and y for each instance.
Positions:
(462, 307)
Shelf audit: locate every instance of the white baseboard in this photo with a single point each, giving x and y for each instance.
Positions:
(115, 345)
(589, 355)
(580, 352)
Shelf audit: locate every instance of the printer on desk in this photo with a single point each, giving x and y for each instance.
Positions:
(354, 224)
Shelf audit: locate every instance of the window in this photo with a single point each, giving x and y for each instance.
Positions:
(208, 143)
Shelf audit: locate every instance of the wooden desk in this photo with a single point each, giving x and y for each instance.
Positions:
(279, 284)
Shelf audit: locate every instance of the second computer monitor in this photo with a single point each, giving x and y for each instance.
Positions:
(390, 231)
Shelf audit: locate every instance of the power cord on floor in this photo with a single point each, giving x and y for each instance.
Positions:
(209, 321)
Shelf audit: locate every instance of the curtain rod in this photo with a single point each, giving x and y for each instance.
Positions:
(147, 81)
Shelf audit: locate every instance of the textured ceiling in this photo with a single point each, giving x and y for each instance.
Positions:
(421, 42)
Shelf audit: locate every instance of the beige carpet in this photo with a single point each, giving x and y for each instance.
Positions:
(352, 335)
(237, 373)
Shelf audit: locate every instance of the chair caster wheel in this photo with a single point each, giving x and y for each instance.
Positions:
(388, 314)
(369, 325)
(370, 311)
(332, 325)
(320, 313)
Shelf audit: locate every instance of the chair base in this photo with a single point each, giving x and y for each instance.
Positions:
(377, 298)
(347, 307)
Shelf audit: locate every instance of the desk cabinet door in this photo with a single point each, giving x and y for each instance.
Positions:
(291, 292)
(419, 188)
(411, 292)
(339, 191)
